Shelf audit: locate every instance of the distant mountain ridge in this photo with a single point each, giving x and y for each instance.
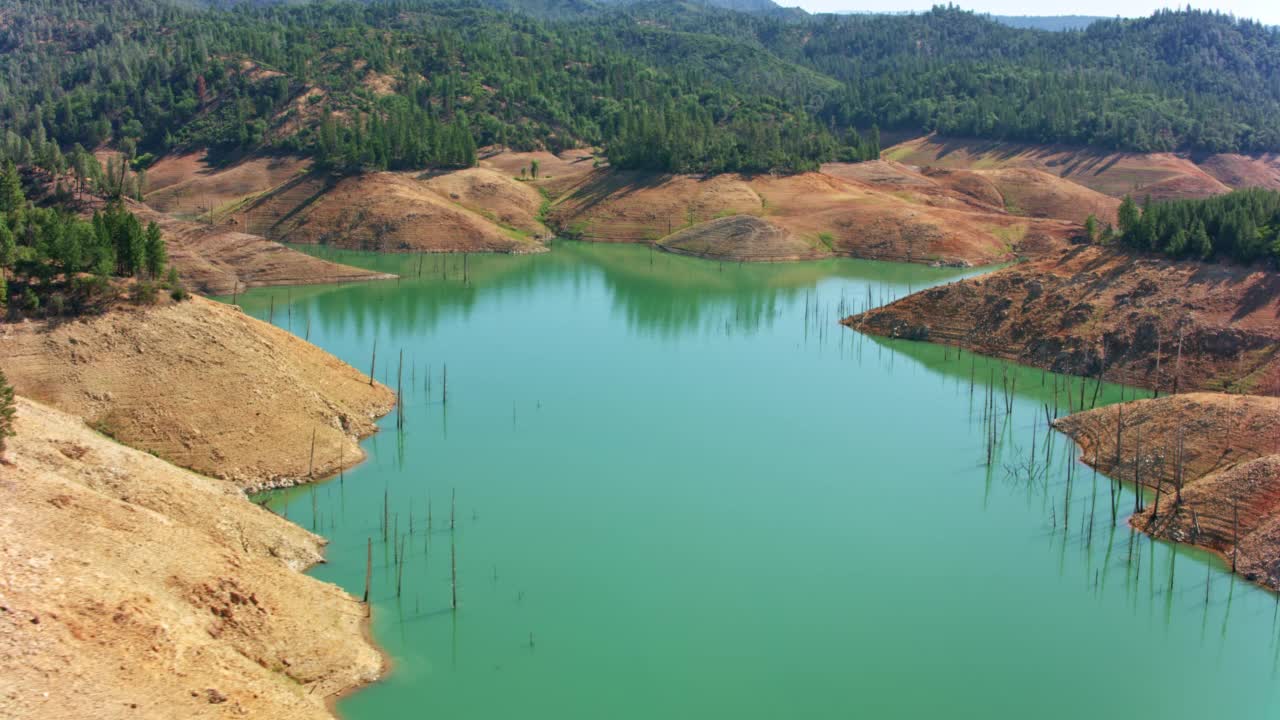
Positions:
(670, 85)
(1052, 23)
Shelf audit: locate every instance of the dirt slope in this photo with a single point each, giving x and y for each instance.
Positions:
(1239, 171)
(1017, 191)
(187, 186)
(177, 597)
(1229, 447)
(496, 196)
(835, 215)
(741, 237)
(1031, 192)
(1089, 309)
(384, 211)
(632, 206)
(557, 174)
(202, 385)
(218, 259)
(1161, 175)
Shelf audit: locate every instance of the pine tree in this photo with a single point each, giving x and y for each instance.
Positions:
(8, 246)
(1199, 242)
(7, 410)
(12, 200)
(1091, 228)
(1128, 216)
(156, 254)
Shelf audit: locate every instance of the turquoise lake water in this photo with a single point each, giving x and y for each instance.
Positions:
(684, 491)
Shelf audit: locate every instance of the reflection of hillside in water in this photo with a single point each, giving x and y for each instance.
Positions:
(671, 294)
(1021, 381)
(655, 292)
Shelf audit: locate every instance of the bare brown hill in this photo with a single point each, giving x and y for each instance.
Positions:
(383, 211)
(1161, 175)
(1031, 192)
(1016, 191)
(219, 260)
(1240, 171)
(1087, 310)
(188, 187)
(844, 216)
(202, 385)
(1214, 462)
(741, 237)
(557, 174)
(176, 597)
(496, 196)
(633, 206)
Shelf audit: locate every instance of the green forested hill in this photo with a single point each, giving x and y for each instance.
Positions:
(664, 85)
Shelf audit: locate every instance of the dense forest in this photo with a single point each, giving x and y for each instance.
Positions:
(1243, 225)
(659, 85)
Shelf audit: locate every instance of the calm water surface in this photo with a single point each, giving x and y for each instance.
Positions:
(683, 491)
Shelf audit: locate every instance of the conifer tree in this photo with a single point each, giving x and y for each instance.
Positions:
(154, 249)
(12, 200)
(7, 410)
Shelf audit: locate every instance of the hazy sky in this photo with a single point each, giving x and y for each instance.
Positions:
(1267, 11)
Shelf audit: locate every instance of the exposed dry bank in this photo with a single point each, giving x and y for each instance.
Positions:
(1160, 175)
(842, 211)
(1088, 310)
(873, 210)
(202, 385)
(130, 588)
(1214, 462)
(221, 260)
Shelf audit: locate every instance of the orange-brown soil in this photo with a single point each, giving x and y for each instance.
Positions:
(1240, 171)
(1017, 191)
(220, 260)
(187, 186)
(833, 214)
(882, 209)
(1213, 461)
(130, 588)
(202, 385)
(1161, 175)
(498, 197)
(1086, 310)
(556, 173)
(1031, 192)
(385, 211)
(741, 237)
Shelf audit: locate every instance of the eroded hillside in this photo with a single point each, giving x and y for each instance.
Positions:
(202, 385)
(206, 615)
(1088, 310)
(1214, 462)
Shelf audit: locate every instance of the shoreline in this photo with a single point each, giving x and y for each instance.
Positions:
(1085, 443)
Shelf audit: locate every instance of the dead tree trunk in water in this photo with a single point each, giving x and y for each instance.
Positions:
(368, 571)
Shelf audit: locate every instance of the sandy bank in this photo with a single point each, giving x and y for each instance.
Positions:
(222, 260)
(130, 588)
(202, 385)
(840, 212)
